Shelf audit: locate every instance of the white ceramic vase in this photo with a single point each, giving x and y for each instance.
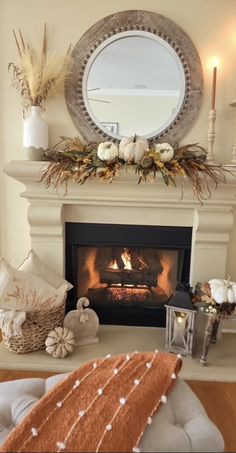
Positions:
(35, 132)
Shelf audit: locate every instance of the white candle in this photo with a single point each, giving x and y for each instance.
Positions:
(214, 64)
(213, 93)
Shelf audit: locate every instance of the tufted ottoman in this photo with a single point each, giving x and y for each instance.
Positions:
(180, 425)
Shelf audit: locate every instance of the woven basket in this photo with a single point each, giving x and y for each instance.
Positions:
(35, 330)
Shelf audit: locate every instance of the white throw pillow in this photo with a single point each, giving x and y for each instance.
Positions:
(35, 266)
(23, 291)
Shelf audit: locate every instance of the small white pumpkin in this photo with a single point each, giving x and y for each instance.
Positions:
(133, 148)
(60, 342)
(165, 150)
(223, 290)
(107, 151)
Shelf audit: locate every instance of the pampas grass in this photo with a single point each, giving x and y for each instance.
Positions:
(39, 75)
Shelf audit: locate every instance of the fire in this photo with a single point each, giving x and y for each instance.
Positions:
(126, 258)
(113, 265)
(142, 263)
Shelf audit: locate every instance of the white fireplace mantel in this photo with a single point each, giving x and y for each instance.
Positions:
(126, 202)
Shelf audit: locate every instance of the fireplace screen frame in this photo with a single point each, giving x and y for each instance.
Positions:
(79, 234)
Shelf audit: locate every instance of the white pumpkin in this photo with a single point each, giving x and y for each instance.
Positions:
(107, 151)
(165, 150)
(83, 322)
(223, 290)
(133, 148)
(60, 342)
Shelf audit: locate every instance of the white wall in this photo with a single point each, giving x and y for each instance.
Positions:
(209, 23)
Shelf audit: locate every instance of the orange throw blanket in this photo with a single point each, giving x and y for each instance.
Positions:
(104, 405)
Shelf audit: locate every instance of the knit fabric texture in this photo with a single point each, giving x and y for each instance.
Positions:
(104, 405)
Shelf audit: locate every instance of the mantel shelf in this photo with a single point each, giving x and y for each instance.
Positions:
(125, 187)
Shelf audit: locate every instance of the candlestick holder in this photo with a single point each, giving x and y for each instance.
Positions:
(211, 135)
(233, 159)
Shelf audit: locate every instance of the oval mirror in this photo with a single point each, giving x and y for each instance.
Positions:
(134, 72)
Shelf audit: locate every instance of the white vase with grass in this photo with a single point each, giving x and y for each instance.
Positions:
(35, 133)
(38, 76)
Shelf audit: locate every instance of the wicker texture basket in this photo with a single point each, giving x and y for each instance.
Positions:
(35, 330)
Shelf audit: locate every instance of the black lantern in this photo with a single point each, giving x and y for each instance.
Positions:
(180, 321)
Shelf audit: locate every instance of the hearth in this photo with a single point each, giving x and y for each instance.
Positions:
(128, 272)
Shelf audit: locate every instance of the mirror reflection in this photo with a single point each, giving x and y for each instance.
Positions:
(135, 84)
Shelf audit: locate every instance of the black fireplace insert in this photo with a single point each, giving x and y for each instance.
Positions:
(128, 272)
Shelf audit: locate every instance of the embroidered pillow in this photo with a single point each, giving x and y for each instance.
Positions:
(26, 292)
(35, 266)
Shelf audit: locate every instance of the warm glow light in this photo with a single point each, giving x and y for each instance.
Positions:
(215, 62)
(233, 37)
(142, 263)
(180, 318)
(113, 265)
(126, 258)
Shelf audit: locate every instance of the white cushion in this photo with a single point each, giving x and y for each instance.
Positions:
(180, 425)
(26, 292)
(35, 266)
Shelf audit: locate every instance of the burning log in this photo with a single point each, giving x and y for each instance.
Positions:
(126, 277)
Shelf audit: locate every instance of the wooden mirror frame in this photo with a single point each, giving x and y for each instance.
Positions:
(142, 21)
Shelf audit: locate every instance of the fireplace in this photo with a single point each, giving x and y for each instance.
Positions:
(128, 272)
(126, 202)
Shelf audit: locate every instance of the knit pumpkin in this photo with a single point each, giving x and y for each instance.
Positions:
(107, 151)
(60, 342)
(132, 149)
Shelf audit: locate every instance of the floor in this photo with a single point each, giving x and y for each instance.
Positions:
(219, 401)
(221, 364)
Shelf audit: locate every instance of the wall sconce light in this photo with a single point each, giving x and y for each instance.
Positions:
(180, 321)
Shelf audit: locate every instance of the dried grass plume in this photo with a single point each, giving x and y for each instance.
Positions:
(39, 75)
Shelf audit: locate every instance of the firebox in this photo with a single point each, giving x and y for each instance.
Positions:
(128, 272)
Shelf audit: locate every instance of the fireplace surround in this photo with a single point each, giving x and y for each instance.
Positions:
(124, 202)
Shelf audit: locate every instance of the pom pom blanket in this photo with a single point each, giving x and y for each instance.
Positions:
(105, 405)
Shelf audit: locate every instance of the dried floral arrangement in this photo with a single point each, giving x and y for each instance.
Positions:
(71, 160)
(39, 74)
(217, 297)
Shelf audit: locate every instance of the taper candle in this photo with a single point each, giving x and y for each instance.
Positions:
(213, 93)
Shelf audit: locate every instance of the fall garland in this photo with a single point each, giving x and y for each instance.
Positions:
(71, 160)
